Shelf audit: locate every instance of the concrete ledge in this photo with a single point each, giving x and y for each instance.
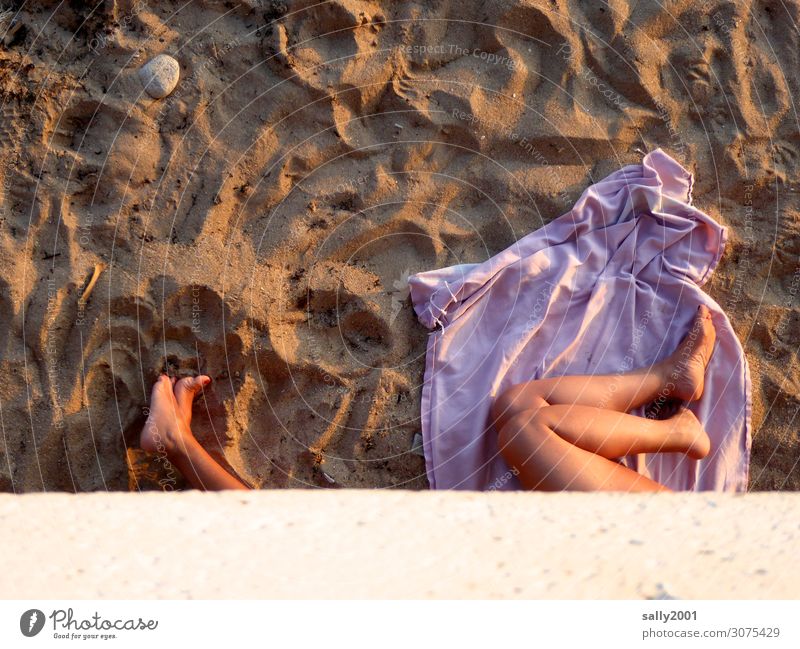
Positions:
(353, 544)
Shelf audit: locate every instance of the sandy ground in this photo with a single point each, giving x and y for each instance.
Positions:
(259, 223)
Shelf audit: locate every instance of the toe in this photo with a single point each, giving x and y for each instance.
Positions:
(188, 388)
(162, 384)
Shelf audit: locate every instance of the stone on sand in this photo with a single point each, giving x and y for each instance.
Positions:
(159, 76)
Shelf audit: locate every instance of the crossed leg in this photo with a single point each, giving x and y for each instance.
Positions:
(168, 430)
(564, 433)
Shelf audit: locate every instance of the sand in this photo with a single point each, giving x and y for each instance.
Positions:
(259, 223)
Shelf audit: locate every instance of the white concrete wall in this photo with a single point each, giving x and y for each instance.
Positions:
(399, 544)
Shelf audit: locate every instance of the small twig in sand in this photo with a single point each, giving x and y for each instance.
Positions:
(84, 298)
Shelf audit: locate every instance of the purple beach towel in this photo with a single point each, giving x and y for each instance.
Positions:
(609, 286)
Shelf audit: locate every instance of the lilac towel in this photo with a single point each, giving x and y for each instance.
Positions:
(611, 285)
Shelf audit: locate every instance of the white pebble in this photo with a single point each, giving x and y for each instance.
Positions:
(160, 75)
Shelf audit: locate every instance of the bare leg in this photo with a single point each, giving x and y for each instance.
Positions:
(168, 429)
(548, 462)
(678, 377)
(560, 433)
(614, 434)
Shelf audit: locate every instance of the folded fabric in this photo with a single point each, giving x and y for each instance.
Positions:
(607, 287)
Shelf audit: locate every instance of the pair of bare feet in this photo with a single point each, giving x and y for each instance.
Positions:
(683, 375)
(168, 431)
(168, 426)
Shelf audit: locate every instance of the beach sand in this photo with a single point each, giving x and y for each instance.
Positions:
(259, 223)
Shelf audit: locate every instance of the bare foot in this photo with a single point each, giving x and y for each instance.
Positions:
(691, 434)
(686, 367)
(167, 426)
